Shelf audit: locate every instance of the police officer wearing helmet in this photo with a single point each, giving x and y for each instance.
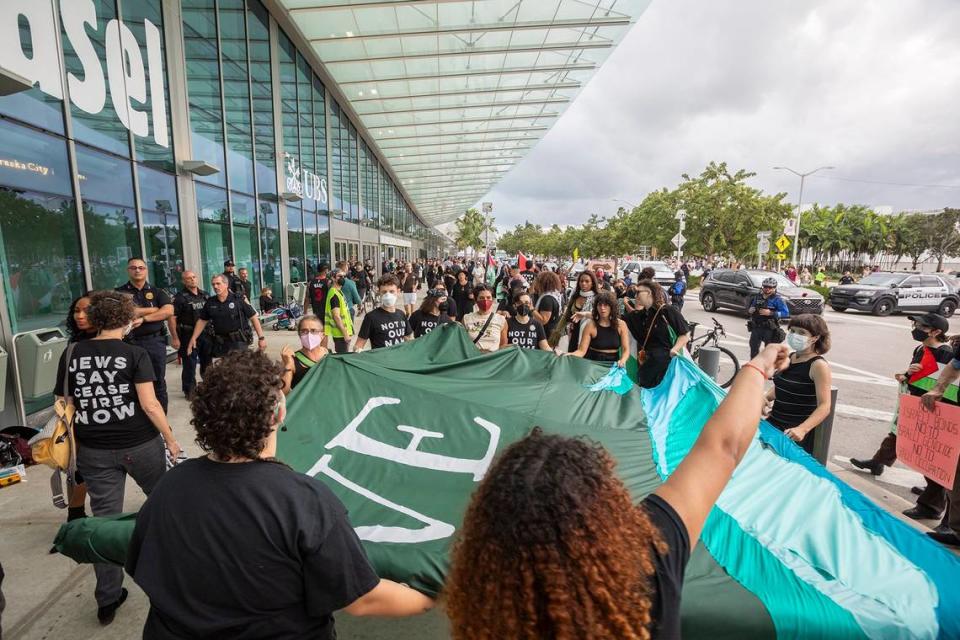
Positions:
(766, 311)
(153, 307)
(230, 316)
(186, 311)
(234, 283)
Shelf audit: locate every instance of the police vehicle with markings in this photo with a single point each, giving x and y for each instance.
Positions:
(883, 293)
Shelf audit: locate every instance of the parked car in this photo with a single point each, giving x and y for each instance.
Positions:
(730, 289)
(883, 293)
(663, 274)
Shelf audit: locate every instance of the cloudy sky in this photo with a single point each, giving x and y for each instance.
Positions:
(872, 87)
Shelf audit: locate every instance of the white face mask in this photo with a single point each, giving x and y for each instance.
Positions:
(127, 329)
(388, 300)
(797, 342)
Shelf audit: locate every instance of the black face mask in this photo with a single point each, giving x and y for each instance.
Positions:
(443, 306)
(919, 335)
(523, 309)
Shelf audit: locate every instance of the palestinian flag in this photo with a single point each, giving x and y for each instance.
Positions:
(926, 378)
(402, 435)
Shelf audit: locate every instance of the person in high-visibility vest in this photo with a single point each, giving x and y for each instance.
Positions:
(337, 323)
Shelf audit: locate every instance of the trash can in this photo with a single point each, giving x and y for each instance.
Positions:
(38, 355)
(291, 291)
(3, 378)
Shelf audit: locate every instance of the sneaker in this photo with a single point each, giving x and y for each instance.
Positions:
(921, 512)
(942, 528)
(106, 613)
(917, 491)
(874, 467)
(950, 539)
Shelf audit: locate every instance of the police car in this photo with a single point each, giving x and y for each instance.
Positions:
(883, 293)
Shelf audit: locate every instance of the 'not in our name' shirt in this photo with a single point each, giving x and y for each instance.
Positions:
(384, 328)
(526, 335)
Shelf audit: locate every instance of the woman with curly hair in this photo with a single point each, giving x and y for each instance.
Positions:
(566, 553)
(606, 339)
(660, 331)
(236, 544)
(119, 426)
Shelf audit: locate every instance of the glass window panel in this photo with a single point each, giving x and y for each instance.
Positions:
(103, 128)
(161, 227)
(149, 151)
(43, 271)
(288, 96)
(295, 243)
(214, 216)
(305, 108)
(258, 35)
(245, 241)
(203, 85)
(323, 239)
(336, 160)
(110, 218)
(35, 106)
(354, 174)
(320, 135)
(236, 95)
(270, 244)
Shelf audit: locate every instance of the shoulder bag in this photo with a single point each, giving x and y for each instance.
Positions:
(484, 329)
(642, 351)
(55, 446)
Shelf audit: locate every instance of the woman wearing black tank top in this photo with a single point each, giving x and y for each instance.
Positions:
(801, 393)
(606, 339)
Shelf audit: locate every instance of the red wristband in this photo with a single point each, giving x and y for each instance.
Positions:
(757, 369)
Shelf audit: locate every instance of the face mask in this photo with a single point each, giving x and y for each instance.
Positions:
(127, 329)
(388, 300)
(443, 306)
(484, 305)
(523, 310)
(311, 341)
(797, 342)
(586, 294)
(919, 334)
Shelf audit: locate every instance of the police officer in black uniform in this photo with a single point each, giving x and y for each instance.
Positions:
(230, 316)
(153, 307)
(234, 283)
(186, 311)
(766, 311)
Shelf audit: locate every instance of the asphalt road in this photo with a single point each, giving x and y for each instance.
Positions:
(866, 352)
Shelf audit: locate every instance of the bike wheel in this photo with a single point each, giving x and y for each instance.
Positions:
(729, 366)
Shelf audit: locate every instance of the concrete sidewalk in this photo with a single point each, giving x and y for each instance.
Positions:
(50, 596)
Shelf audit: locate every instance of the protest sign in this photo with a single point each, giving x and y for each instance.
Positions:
(929, 441)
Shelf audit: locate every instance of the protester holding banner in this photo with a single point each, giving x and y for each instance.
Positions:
(660, 330)
(580, 307)
(523, 330)
(930, 330)
(487, 328)
(566, 552)
(801, 393)
(387, 325)
(298, 363)
(606, 339)
(269, 552)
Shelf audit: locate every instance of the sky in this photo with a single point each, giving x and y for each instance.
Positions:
(871, 87)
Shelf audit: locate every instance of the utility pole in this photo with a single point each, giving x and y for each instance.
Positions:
(796, 228)
(487, 210)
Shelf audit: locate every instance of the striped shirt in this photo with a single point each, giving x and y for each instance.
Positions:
(796, 395)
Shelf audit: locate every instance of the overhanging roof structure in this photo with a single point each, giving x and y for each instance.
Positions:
(455, 92)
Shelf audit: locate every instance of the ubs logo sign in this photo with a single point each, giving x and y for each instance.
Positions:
(303, 182)
(126, 69)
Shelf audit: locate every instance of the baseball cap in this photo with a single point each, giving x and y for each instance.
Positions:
(932, 320)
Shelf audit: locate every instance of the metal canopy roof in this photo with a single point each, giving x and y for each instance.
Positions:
(455, 92)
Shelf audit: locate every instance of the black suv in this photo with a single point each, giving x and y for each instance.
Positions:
(883, 293)
(726, 288)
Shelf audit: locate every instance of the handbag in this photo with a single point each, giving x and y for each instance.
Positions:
(642, 351)
(55, 446)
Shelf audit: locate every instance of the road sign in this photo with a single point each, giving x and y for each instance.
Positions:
(780, 256)
(790, 227)
(764, 234)
(681, 214)
(678, 240)
(782, 243)
(763, 246)
(488, 207)
(683, 225)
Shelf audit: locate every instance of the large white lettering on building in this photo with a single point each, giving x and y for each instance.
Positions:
(126, 71)
(302, 181)
(411, 455)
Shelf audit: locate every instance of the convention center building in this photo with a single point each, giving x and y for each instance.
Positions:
(280, 134)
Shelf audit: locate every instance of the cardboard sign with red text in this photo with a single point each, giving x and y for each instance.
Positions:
(929, 441)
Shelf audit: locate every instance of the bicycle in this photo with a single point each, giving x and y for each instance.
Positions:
(729, 365)
(370, 301)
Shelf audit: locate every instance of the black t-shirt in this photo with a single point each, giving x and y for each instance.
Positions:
(409, 284)
(423, 323)
(187, 306)
(245, 551)
(526, 335)
(384, 328)
(230, 315)
(300, 367)
(318, 291)
(548, 303)
(668, 568)
(103, 379)
(148, 296)
(234, 283)
(669, 318)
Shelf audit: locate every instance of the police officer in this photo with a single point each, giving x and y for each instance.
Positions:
(234, 283)
(766, 311)
(186, 310)
(153, 307)
(231, 317)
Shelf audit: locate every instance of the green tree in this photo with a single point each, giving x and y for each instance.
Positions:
(471, 227)
(942, 233)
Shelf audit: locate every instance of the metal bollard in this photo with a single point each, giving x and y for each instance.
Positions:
(821, 435)
(708, 359)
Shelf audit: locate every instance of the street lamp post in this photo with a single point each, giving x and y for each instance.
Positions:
(796, 228)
